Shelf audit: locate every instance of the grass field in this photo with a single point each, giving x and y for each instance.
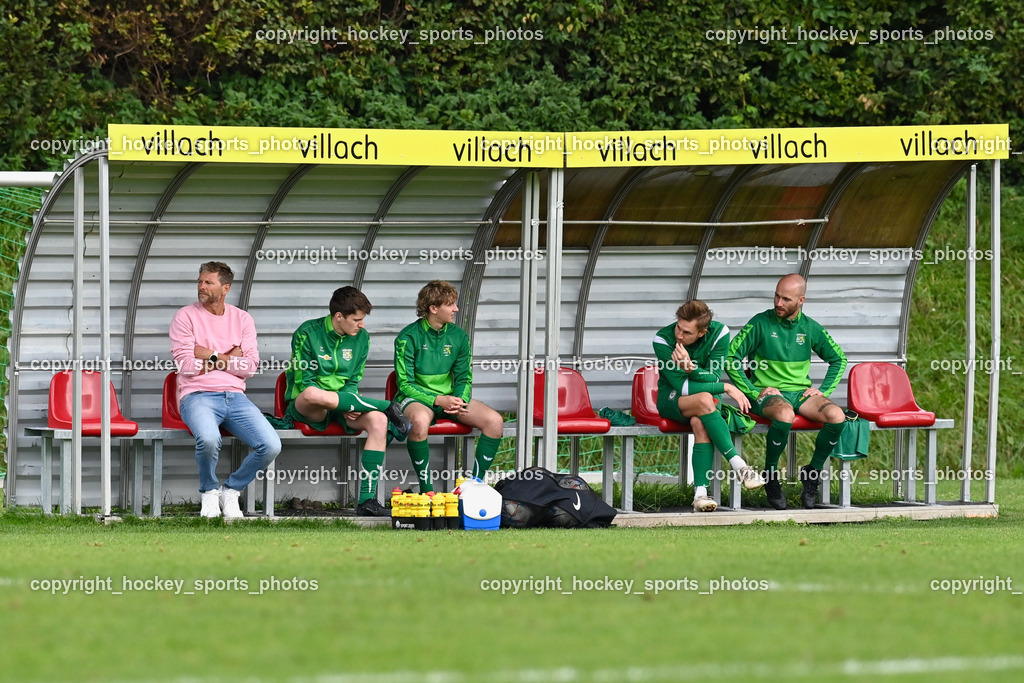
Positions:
(767, 601)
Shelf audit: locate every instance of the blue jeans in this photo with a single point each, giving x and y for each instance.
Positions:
(205, 411)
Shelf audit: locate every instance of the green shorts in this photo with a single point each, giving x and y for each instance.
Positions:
(333, 416)
(438, 410)
(737, 422)
(669, 407)
(793, 398)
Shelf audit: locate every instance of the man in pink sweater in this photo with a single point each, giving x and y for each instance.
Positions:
(214, 348)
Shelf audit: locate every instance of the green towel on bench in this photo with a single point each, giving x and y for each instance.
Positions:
(617, 417)
(737, 421)
(279, 422)
(853, 442)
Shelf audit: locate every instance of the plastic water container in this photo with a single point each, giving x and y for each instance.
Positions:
(479, 505)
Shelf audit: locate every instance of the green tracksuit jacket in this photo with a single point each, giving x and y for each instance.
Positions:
(780, 351)
(321, 357)
(431, 363)
(708, 353)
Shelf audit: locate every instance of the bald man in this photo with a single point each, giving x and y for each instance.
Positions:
(777, 346)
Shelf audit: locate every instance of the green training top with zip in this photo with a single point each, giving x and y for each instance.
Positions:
(431, 363)
(781, 353)
(707, 353)
(323, 358)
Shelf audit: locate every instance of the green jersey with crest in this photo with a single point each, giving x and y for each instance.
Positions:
(779, 351)
(431, 363)
(707, 353)
(323, 358)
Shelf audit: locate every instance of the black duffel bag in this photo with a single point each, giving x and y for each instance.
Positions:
(536, 497)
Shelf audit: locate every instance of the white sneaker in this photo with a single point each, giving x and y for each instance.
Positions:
(229, 503)
(704, 504)
(211, 503)
(751, 478)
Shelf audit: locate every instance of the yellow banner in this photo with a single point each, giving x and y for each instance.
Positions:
(236, 144)
(787, 145)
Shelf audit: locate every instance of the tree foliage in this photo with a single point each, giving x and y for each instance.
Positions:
(579, 64)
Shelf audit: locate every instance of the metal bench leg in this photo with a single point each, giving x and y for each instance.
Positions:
(735, 489)
(65, 476)
(791, 468)
(897, 464)
(910, 485)
(156, 503)
(137, 479)
(846, 484)
(608, 470)
(931, 450)
(627, 473)
(46, 476)
(825, 484)
(685, 450)
(716, 481)
(250, 498)
(447, 458)
(269, 480)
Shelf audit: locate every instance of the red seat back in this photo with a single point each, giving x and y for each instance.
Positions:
(575, 413)
(881, 392)
(645, 396)
(61, 398)
(645, 402)
(170, 416)
(279, 403)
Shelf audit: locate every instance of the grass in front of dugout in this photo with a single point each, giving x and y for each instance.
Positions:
(342, 602)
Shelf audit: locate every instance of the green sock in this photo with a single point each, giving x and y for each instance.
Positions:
(351, 402)
(828, 437)
(486, 448)
(718, 432)
(703, 461)
(372, 462)
(778, 437)
(419, 451)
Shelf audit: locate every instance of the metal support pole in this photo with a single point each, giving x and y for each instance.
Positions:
(527, 321)
(996, 350)
(104, 206)
(553, 287)
(972, 346)
(71, 459)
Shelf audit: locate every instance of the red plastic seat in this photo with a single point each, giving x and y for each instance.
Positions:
(333, 429)
(170, 414)
(881, 392)
(575, 414)
(443, 426)
(61, 398)
(645, 402)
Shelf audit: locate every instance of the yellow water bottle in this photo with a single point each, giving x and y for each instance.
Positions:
(421, 512)
(398, 511)
(451, 511)
(437, 512)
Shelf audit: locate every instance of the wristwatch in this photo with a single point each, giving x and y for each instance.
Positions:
(213, 357)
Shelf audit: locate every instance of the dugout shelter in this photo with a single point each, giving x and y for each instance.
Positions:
(569, 248)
